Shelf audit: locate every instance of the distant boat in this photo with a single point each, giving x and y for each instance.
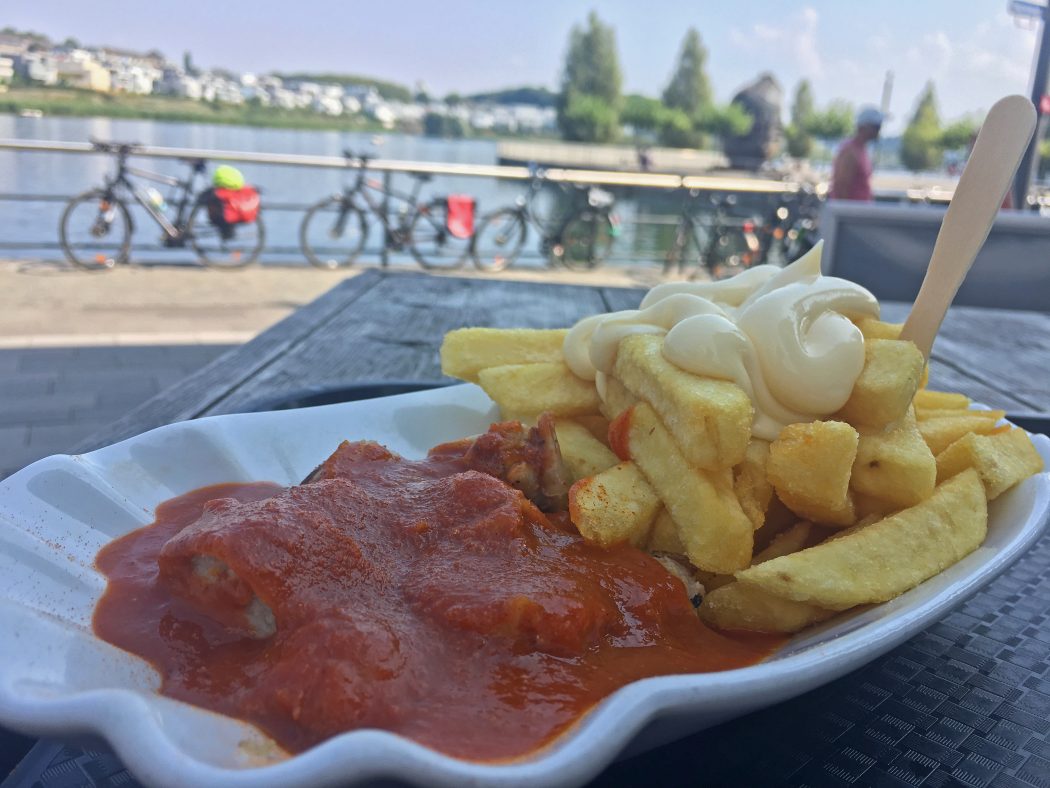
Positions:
(31, 113)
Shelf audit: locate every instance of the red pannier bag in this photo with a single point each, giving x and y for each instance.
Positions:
(460, 215)
(234, 206)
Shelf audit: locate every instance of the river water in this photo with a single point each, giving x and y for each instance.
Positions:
(29, 229)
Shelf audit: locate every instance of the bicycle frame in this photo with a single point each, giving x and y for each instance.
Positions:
(187, 188)
(394, 234)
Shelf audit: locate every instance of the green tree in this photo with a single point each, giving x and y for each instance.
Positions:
(677, 130)
(689, 89)
(730, 120)
(959, 134)
(799, 138)
(921, 141)
(590, 118)
(833, 123)
(643, 113)
(591, 83)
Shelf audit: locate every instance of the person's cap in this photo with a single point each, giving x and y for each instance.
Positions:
(869, 116)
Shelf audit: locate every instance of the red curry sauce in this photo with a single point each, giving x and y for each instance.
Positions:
(411, 597)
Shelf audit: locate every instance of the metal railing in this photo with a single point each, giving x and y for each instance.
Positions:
(386, 167)
(553, 174)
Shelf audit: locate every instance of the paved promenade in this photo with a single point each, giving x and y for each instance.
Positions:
(79, 349)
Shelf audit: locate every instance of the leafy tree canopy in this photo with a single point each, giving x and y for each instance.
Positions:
(689, 89)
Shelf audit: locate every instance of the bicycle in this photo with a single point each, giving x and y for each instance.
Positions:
(96, 226)
(580, 239)
(790, 230)
(334, 231)
(724, 245)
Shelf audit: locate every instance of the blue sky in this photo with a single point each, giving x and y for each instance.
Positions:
(972, 49)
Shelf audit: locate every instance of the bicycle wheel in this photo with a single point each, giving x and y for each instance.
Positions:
(333, 233)
(498, 240)
(234, 246)
(431, 243)
(95, 231)
(586, 240)
(684, 251)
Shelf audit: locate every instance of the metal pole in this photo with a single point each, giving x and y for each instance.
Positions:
(384, 254)
(1030, 162)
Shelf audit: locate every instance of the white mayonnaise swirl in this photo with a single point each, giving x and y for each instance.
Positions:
(784, 335)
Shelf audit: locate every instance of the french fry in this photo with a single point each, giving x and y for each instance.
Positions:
(663, 537)
(940, 433)
(886, 385)
(596, 424)
(927, 399)
(617, 399)
(886, 558)
(714, 530)
(744, 608)
(534, 388)
(583, 454)
(709, 419)
(809, 467)
(1001, 460)
(614, 506)
(467, 351)
(895, 464)
(712, 580)
(790, 541)
(925, 414)
(877, 329)
(750, 483)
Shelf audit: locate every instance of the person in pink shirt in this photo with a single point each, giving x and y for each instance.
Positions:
(851, 172)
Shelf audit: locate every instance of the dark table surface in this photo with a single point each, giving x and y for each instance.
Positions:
(966, 702)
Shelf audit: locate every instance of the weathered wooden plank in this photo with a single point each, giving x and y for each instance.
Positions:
(618, 298)
(1005, 353)
(194, 395)
(395, 333)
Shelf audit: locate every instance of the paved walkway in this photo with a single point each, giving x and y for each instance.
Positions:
(79, 349)
(51, 398)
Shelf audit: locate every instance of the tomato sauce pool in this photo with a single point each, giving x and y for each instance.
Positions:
(414, 597)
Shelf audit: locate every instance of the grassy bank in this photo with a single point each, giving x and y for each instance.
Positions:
(86, 103)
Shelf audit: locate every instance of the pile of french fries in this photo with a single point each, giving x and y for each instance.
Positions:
(851, 510)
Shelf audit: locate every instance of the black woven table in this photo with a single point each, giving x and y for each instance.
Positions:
(967, 702)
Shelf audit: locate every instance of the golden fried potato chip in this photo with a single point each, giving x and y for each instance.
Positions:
(467, 351)
(1001, 460)
(709, 419)
(737, 607)
(616, 505)
(716, 533)
(535, 388)
(894, 464)
(886, 558)
(809, 467)
(583, 454)
(887, 384)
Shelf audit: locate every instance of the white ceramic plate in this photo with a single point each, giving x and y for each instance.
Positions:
(57, 679)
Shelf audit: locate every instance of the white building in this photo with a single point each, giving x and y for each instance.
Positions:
(7, 69)
(327, 105)
(38, 67)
